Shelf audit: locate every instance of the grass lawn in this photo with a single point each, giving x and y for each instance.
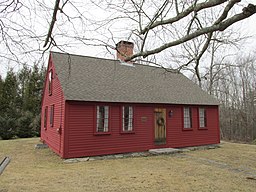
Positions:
(222, 169)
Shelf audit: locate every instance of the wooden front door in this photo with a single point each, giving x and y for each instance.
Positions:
(160, 126)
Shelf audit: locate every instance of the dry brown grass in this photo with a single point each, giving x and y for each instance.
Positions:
(222, 169)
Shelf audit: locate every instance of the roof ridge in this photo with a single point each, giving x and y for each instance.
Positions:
(136, 64)
(76, 55)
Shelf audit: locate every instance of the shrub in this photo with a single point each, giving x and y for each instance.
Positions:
(24, 128)
(7, 127)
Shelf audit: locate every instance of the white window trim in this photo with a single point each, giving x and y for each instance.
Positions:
(50, 81)
(202, 117)
(106, 118)
(187, 118)
(130, 118)
(51, 115)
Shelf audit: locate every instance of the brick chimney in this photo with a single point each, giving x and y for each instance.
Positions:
(124, 49)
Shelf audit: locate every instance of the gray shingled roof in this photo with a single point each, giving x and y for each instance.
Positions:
(94, 79)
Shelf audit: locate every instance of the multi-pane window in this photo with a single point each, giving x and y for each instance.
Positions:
(51, 115)
(187, 117)
(50, 82)
(102, 118)
(127, 112)
(202, 117)
(45, 117)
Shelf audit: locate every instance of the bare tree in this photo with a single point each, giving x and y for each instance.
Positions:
(20, 41)
(156, 26)
(234, 84)
(173, 23)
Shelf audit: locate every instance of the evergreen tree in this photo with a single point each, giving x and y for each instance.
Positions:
(24, 129)
(8, 102)
(7, 127)
(9, 95)
(23, 78)
(1, 85)
(20, 101)
(31, 91)
(1, 91)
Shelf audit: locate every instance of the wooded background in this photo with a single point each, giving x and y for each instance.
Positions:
(206, 40)
(232, 83)
(20, 101)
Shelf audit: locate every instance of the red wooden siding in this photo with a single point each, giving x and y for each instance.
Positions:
(179, 137)
(81, 140)
(51, 136)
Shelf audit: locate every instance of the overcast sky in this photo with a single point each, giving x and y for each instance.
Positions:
(36, 18)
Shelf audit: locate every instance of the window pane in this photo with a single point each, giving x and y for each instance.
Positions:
(105, 118)
(202, 117)
(51, 115)
(102, 118)
(187, 117)
(130, 119)
(45, 117)
(50, 82)
(127, 118)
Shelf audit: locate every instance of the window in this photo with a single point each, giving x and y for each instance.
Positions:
(102, 118)
(127, 118)
(52, 115)
(187, 117)
(202, 117)
(45, 117)
(50, 82)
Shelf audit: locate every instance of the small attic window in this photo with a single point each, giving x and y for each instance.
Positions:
(50, 82)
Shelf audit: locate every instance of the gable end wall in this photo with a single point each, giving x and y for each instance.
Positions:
(53, 136)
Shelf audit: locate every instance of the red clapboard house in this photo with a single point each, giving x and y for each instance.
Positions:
(93, 106)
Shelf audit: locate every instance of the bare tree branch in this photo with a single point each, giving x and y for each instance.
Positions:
(192, 20)
(176, 7)
(221, 26)
(209, 37)
(198, 7)
(54, 18)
